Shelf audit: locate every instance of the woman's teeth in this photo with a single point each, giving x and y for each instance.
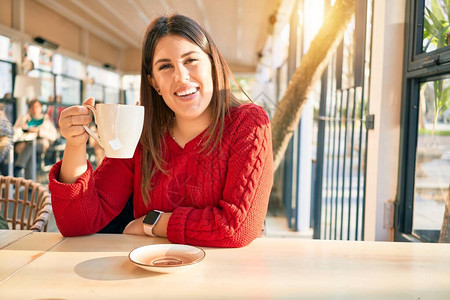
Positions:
(187, 92)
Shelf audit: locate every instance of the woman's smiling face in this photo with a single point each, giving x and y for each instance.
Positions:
(182, 75)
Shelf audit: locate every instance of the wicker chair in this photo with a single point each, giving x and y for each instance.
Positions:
(25, 204)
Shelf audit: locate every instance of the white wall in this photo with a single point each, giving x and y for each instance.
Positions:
(385, 104)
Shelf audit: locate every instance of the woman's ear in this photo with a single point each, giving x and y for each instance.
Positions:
(153, 83)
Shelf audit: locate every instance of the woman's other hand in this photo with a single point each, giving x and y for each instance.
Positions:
(71, 123)
(135, 227)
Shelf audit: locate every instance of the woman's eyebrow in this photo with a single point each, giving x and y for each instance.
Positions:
(162, 60)
(188, 53)
(168, 60)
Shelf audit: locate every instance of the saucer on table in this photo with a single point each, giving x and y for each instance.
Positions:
(166, 258)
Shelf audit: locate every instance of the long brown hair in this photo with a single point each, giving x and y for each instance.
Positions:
(158, 116)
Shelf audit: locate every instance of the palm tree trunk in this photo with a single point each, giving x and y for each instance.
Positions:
(289, 109)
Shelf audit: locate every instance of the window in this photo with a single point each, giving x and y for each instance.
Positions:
(7, 103)
(61, 79)
(69, 89)
(6, 76)
(112, 95)
(5, 48)
(68, 74)
(42, 58)
(67, 66)
(47, 84)
(42, 68)
(105, 87)
(424, 177)
(7, 73)
(6, 67)
(131, 86)
(436, 26)
(432, 167)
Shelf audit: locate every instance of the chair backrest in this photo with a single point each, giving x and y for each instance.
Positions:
(25, 204)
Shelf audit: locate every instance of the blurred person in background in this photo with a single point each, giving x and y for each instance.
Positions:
(34, 122)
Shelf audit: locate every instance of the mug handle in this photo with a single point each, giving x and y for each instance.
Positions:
(92, 108)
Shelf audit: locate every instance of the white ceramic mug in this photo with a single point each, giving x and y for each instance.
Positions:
(119, 128)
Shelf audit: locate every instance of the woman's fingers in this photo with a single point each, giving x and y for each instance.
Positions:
(89, 101)
(80, 120)
(75, 110)
(74, 135)
(72, 120)
(78, 114)
(68, 132)
(76, 130)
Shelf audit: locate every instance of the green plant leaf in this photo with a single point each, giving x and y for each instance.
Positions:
(447, 6)
(437, 28)
(436, 22)
(437, 10)
(437, 95)
(446, 90)
(429, 27)
(445, 106)
(442, 40)
(429, 33)
(438, 38)
(444, 102)
(425, 49)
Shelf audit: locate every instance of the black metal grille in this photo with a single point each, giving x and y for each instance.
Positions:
(339, 192)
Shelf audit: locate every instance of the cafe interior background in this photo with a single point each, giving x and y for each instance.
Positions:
(370, 159)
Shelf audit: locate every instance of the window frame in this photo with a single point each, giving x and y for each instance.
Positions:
(418, 68)
(431, 63)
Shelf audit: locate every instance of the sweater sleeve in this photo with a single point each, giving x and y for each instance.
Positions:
(239, 217)
(97, 197)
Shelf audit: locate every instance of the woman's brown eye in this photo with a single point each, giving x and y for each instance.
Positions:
(162, 67)
(190, 60)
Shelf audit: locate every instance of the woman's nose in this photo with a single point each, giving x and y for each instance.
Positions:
(181, 74)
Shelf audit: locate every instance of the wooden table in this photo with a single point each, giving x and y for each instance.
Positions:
(19, 254)
(97, 266)
(10, 236)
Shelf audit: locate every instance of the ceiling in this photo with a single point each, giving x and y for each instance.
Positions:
(238, 27)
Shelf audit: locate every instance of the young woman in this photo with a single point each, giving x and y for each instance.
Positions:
(202, 172)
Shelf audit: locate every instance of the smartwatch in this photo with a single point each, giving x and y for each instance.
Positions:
(150, 221)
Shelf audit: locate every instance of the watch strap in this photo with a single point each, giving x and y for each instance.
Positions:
(148, 229)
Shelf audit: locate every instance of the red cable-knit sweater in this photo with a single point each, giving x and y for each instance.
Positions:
(217, 199)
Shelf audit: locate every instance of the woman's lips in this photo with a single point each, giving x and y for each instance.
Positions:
(187, 93)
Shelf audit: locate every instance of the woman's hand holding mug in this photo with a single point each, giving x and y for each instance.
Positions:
(71, 123)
